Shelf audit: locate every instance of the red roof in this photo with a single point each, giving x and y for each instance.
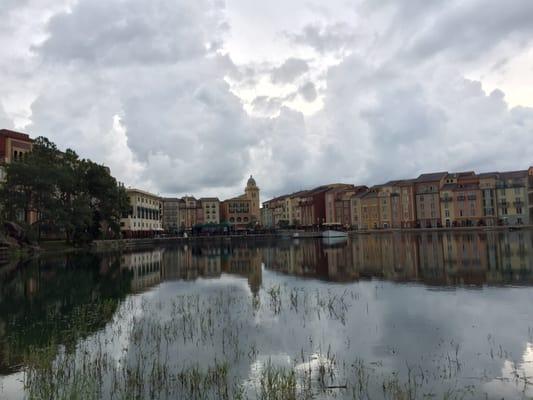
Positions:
(15, 135)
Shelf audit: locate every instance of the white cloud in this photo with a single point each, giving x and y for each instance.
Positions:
(290, 70)
(359, 92)
(5, 122)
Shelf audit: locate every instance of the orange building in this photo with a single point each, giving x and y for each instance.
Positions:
(338, 204)
(243, 210)
(427, 187)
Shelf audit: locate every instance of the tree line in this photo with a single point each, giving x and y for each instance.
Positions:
(62, 195)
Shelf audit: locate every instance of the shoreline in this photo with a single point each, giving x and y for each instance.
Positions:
(132, 244)
(59, 247)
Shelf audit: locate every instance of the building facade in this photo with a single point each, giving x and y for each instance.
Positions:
(145, 218)
(170, 217)
(243, 211)
(338, 204)
(487, 184)
(530, 194)
(13, 147)
(210, 210)
(370, 209)
(188, 213)
(512, 197)
(427, 199)
(356, 209)
(407, 204)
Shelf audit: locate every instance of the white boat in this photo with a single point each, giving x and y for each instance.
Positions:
(334, 234)
(334, 241)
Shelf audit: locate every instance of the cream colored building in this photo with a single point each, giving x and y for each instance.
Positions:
(145, 217)
(210, 210)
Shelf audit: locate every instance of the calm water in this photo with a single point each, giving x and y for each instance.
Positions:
(378, 316)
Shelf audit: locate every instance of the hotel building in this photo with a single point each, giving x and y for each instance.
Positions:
(145, 218)
(243, 210)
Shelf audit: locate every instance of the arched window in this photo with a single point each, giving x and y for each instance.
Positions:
(232, 219)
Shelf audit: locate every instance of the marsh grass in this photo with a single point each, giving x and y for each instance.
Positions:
(200, 346)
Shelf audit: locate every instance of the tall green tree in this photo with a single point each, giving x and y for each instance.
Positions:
(74, 198)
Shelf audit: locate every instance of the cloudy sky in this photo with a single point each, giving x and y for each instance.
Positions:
(183, 96)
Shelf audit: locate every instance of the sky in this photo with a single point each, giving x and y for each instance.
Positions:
(192, 97)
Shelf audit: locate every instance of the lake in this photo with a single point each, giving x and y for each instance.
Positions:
(396, 316)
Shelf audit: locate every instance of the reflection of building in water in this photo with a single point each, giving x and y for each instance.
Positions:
(191, 262)
(514, 258)
(146, 268)
(434, 258)
(246, 262)
(431, 258)
(465, 257)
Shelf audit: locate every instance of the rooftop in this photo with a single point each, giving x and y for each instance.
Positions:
(135, 190)
(15, 135)
(433, 176)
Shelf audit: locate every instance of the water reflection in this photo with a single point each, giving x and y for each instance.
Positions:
(245, 302)
(190, 262)
(431, 258)
(47, 300)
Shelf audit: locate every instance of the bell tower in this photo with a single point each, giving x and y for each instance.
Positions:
(252, 194)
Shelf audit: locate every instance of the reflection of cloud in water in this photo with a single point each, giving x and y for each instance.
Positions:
(521, 373)
(250, 306)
